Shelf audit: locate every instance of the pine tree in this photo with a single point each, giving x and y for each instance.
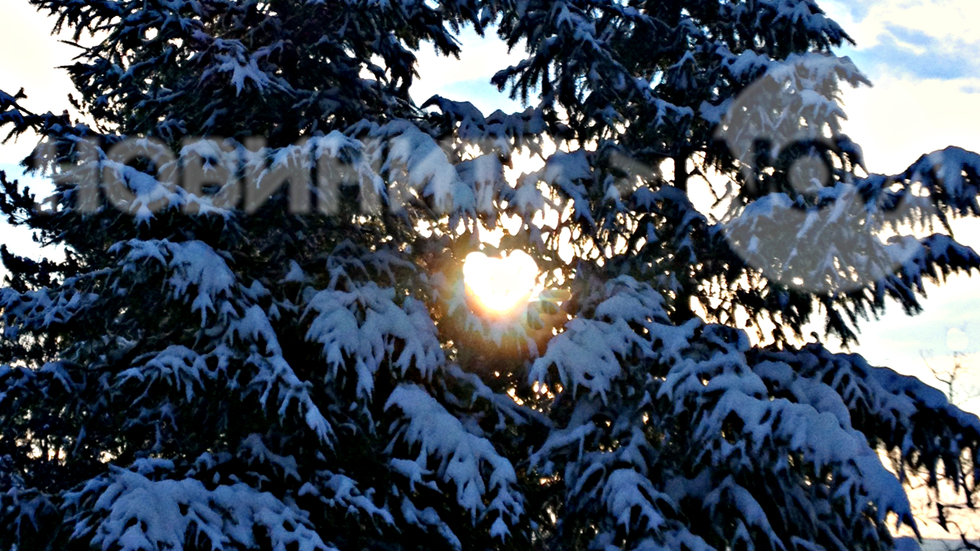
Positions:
(280, 353)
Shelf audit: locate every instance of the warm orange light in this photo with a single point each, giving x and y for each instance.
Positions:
(503, 284)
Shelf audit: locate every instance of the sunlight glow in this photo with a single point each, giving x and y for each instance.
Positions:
(500, 284)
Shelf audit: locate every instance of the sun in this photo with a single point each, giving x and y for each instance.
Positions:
(501, 285)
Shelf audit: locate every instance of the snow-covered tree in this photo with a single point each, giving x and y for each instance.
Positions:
(279, 352)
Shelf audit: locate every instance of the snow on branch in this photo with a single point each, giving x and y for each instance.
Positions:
(486, 483)
(366, 327)
(137, 510)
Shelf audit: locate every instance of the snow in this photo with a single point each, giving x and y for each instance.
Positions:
(429, 517)
(626, 492)
(347, 496)
(42, 308)
(751, 512)
(588, 354)
(365, 325)
(951, 175)
(141, 513)
(568, 173)
(527, 198)
(342, 160)
(462, 458)
(233, 58)
(414, 163)
(782, 410)
(194, 264)
(898, 404)
(483, 175)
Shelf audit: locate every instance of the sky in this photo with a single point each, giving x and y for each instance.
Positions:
(920, 55)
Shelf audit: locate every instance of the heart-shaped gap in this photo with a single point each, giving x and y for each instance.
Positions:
(502, 284)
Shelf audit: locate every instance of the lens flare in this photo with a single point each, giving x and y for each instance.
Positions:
(500, 285)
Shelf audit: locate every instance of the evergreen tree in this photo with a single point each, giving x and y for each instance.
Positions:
(280, 353)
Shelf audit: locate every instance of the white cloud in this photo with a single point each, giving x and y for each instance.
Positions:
(865, 20)
(915, 39)
(467, 78)
(481, 57)
(899, 119)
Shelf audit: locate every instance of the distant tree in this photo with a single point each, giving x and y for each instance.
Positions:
(954, 379)
(954, 512)
(280, 355)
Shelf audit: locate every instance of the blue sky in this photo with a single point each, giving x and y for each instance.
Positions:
(921, 56)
